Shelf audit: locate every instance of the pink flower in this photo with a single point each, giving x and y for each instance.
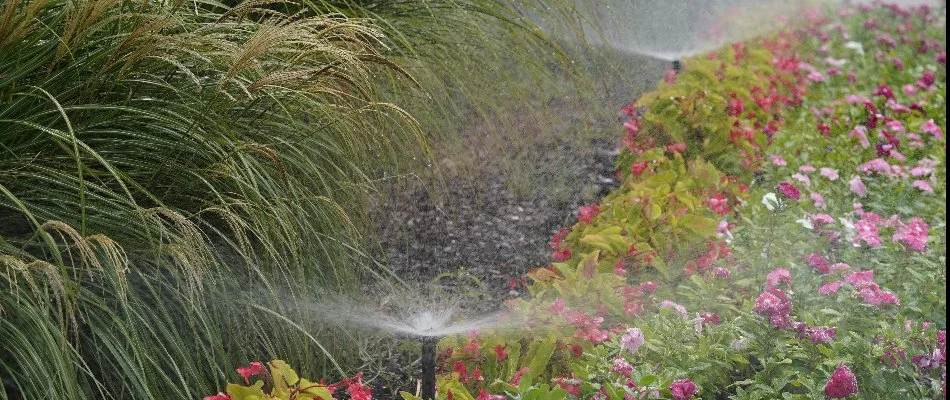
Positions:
(789, 190)
(923, 186)
(829, 288)
(253, 369)
(861, 132)
(830, 173)
(913, 234)
(778, 275)
(815, 77)
(807, 168)
(683, 389)
(670, 76)
(709, 318)
(910, 90)
(779, 161)
(632, 340)
(822, 219)
(219, 396)
(587, 213)
(669, 304)
(648, 287)
(857, 186)
(931, 128)
(842, 383)
(818, 199)
(558, 306)
(875, 165)
(804, 179)
(867, 233)
(736, 106)
(894, 126)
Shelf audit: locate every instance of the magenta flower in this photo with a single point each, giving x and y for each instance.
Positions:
(683, 389)
(857, 186)
(822, 334)
(867, 233)
(778, 275)
(622, 367)
(860, 278)
(219, 396)
(632, 340)
(789, 191)
(822, 219)
(779, 161)
(913, 234)
(818, 262)
(931, 128)
(842, 383)
(829, 288)
(927, 79)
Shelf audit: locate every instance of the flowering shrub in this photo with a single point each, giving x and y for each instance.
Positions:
(779, 230)
(277, 380)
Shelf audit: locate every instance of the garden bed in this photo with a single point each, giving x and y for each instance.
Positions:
(779, 231)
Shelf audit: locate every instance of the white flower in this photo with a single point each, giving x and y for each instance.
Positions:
(855, 46)
(770, 200)
(806, 222)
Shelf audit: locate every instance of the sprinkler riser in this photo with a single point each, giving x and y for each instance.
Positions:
(677, 66)
(428, 367)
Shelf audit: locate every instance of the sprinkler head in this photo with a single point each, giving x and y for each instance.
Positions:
(677, 66)
(428, 367)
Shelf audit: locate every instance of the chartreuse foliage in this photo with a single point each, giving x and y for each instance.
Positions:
(697, 237)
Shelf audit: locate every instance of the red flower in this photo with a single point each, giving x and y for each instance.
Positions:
(577, 350)
(563, 255)
(460, 368)
(500, 353)
(219, 396)
(517, 378)
(842, 383)
(709, 318)
(587, 213)
(676, 147)
(683, 389)
(824, 129)
(736, 106)
(253, 369)
(719, 204)
(359, 391)
(638, 168)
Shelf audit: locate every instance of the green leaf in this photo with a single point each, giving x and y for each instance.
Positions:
(253, 392)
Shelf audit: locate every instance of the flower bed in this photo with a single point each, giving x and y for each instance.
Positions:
(779, 231)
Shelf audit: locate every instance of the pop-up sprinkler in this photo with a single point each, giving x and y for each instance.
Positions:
(428, 367)
(677, 66)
